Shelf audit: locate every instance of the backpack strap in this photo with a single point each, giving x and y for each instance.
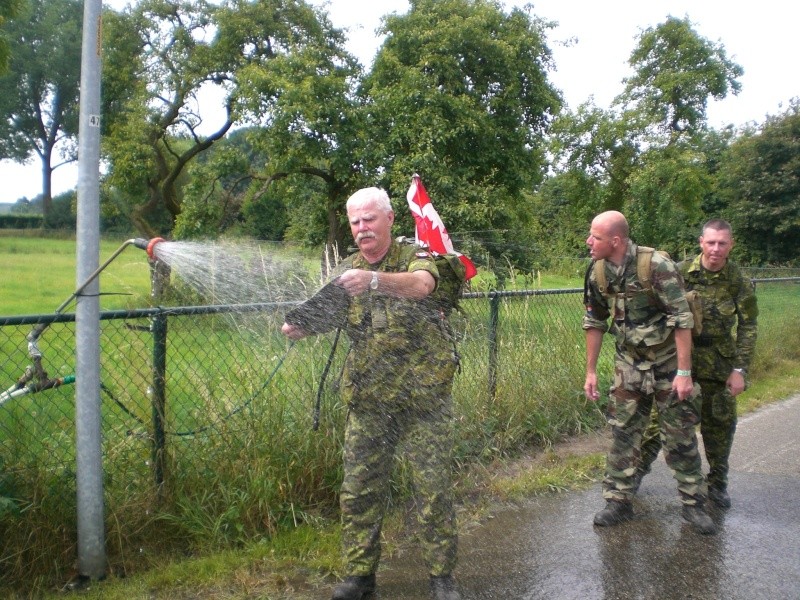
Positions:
(644, 260)
(600, 275)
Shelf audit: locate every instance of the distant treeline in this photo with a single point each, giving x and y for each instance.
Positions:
(12, 221)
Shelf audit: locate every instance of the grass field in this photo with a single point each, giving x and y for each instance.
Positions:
(40, 273)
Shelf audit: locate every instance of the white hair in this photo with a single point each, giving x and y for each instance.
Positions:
(370, 194)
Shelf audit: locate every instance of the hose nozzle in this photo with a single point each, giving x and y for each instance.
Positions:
(151, 246)
(147, 245)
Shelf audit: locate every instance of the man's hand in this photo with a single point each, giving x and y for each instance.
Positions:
(355, 281)
(590, 387)
(293, 332)
(735, 383)
(682, 386)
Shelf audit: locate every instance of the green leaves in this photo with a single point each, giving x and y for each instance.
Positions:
(760, 180)
(676, 73)
(459, 94)
(652, 155)
(265, 62)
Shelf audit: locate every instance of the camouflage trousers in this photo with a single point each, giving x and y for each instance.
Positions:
(375, 434)
(634, 395)
(717, 426)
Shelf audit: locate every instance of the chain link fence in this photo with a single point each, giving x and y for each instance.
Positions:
(217, 430)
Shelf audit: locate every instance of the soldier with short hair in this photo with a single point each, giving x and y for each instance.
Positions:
(397, 385)
(721, 354)
(652, 330)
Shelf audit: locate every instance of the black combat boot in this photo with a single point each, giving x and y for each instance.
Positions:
(698, 517)
(443, 587)
(355, 588)
(614, 513)
(718, 494)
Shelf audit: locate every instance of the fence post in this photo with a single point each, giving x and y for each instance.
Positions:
(494, 319)
(159, 277)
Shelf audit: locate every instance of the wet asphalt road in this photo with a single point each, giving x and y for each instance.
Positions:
(548, 548)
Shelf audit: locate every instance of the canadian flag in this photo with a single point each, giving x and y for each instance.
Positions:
(430, 230)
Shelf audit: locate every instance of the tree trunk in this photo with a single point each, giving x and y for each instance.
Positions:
(47, 189)
(335, 245)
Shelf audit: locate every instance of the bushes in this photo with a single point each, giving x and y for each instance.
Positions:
(13, 221)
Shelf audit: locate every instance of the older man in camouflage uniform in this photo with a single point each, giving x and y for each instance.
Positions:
(397, 384)
(652, 330)
(721, 353)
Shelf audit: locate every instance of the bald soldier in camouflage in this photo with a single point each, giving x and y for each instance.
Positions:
(397, 384)
(652, 366)
(721, 354)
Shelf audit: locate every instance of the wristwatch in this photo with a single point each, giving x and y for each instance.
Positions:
(373, 285)
(741, 371)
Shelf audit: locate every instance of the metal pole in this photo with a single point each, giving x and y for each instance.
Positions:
(92, 562)
(159, 325)
(159, 276)
(494, 320)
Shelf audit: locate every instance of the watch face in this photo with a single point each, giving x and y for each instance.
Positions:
(374, 283)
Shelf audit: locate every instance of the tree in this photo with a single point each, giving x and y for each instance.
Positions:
(596, 144)
(459, 94)
(667, 190)
(665, 108)
(157, 59)
(217, 191)
(39, 94)
(563, 207)
(160, 56)
(9, 9)
(759, 180)
(652, 152)
(313, 131)
(676, 73)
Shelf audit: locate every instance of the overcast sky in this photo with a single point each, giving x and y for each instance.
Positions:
(760, 36)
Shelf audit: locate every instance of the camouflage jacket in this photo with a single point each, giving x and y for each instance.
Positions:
(396, 340)
(730, 313)
(642, 321)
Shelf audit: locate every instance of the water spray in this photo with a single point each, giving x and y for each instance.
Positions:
(35, 378)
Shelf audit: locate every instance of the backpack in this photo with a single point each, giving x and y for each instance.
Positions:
(644, 267)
